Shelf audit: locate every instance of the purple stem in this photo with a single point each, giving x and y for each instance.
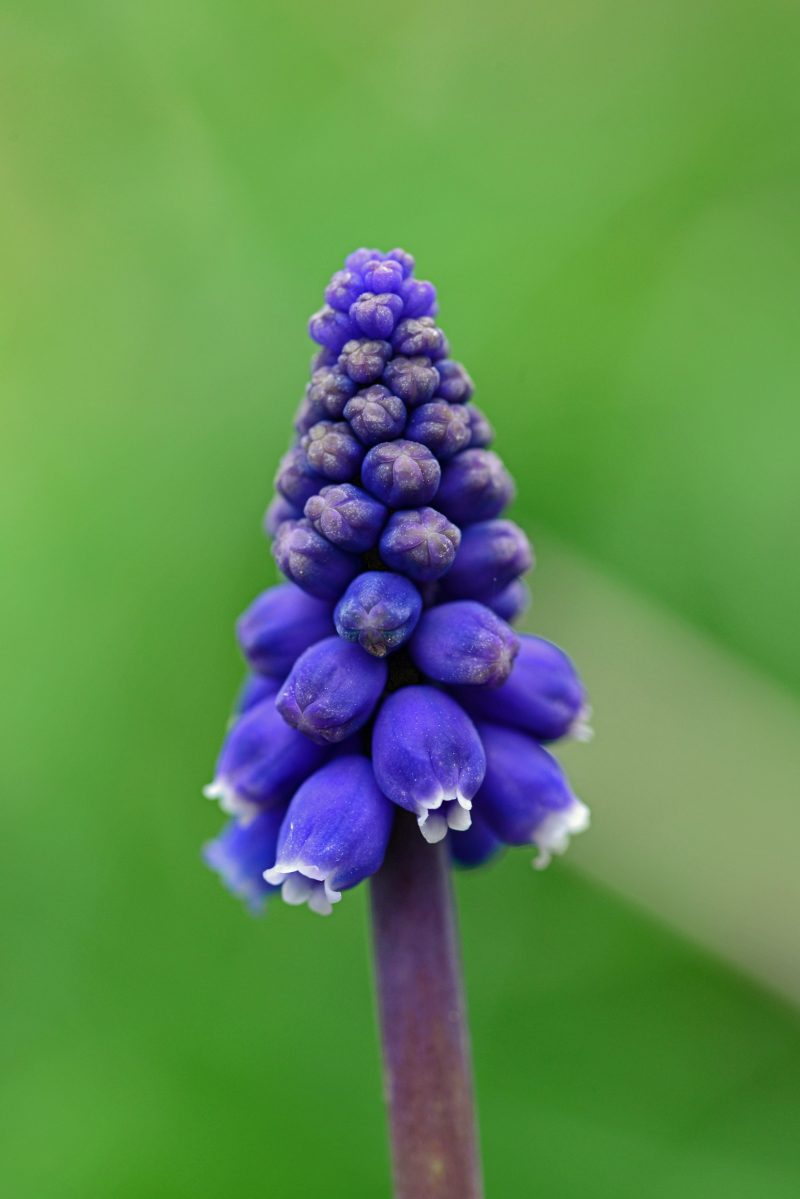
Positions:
(426, 1054)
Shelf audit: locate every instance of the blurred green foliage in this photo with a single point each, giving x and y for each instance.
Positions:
(607, 196)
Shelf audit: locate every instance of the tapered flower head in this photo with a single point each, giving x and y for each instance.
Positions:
(384, 673)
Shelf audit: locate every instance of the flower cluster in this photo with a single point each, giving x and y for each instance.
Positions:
(385, 672)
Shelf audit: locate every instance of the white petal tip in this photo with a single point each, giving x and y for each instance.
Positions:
(553, 834)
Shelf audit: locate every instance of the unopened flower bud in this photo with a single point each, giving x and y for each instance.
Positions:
(401, 473)
(420, 543)
(442, 427)
(311, 561)
(492, 554)
(464, 642)
(376, 315)
(475, 486)
(413, 379)
(455, 384)
(376, 415)
(279, 625)
(363, 361)
(347, 516)
(332, 690)
(379, 611)
(333, 451)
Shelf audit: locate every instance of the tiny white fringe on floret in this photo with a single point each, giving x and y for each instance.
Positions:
(580, 729)
(444, 812)
(553, 834)
(301, 882)
(230, 801)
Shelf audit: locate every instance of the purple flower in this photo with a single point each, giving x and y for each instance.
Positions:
(428, 758)
(382, 275)
(333, 451)
(402, 474)
(296, 479)
(542, 696)
(279, 625)
(419, 298)
(442, 427)
(363, 361)
(334, 835)
(376, 315)
(511, 602)
(492, 554)
(310, 561)
(481, 432)
(359, 259)
(414, 380)
(332, 690)
(261, 763)
(344, 289)
(419, 335)
(376, 415)
(347, 517)
(475, 486)
(379, 611)
(464, 642)
(278, 511)
(254, 690)
(455, 384)
(420, 543)
(332, 329)
(328, 392)
(242, 853)
(525, 798)
(405, 259)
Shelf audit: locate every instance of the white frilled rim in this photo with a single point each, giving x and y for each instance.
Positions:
(437, 815)
(580, 729)
(301, 882)
(553, 834)
(230, 801)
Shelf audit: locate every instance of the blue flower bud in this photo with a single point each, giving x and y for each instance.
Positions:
(476, 845)
(481, 432)
(363, 361)
(405, 259)
(376, 415)
(296, 479)
(413, 379)
(376, 315)
(379, 610)
(311, 561)
(332, 329)
(328, 392)
(428, 758)
(347, 517)
(323, 357)
(332, 690)
(419, 335)
(475, 486)
(420, 543)
(543, 695)
(419, 298)
(492, 554)
(442, 427)
(344, 289)
(525, 798)
(382, 275)
(241, 854)
(359, 259)
(278, 511)
(333, 836)
(261, 763)
(279, 625)
(254, 690)
(455, 384)
(511, 602)
(464, 642)
(402, 474)
(332, 450)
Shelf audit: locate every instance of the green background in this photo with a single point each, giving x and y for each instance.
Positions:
(606, 195)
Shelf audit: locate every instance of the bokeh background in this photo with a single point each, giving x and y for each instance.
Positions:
(607, 196)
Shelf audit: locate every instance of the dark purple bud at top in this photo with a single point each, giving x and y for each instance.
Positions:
(402, 474)
(379, 610)
(332, 690)
(359, 259)
(491, 555)
(475, 486)
(525, 798)
(382, 275)
(329, 391)
(419, 335)
(456, 385)
(363, 360)
(481, 432)
(428, 758)
(420, 543)
(347, 517)
(442, 427)
(344, 289)
(464, 642)
(296, 479)
(333, 836)
(331, 329)
(310, 561)
(278, 511)
(376, 315)
(476, 845)
(511, 602)
(332, 450)
(413, 379)
(542, 696)
(279, 625)
(405, 259)
(419, 298)
(376, 415)
(242, 853)
(254, 690)
(261, 763)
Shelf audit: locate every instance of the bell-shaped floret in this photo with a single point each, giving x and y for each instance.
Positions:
(280, 625)
(492, 554)
(241, 854)
(475, 486)
(332, 690)
(464, 642)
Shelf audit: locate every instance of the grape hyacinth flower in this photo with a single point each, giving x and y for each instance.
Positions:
(392, 722)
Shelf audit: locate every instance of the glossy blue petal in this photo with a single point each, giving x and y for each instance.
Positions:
(492, 554)
(475, 486)
(332, 690)
(464, 642)
(279, 625)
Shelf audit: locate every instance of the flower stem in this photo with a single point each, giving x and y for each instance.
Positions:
(426, 1054)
